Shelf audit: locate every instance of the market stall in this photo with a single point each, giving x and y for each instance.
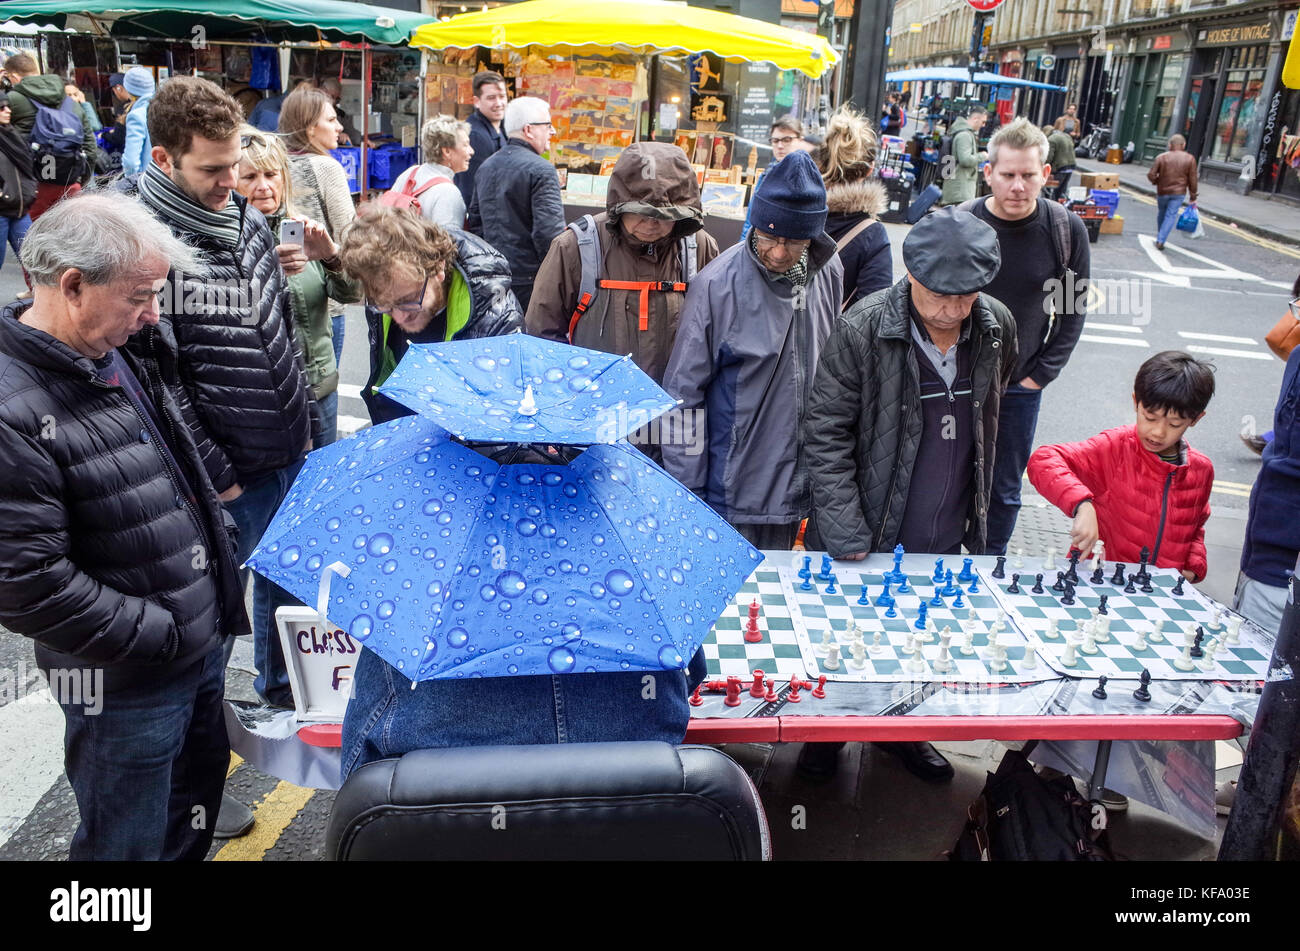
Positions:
(251, 48)
(618, 72)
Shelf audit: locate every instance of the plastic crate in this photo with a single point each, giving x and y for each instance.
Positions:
(1103, 198)
(350, 159)
(386, 163)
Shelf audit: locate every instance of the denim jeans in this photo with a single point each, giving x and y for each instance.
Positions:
(252, 512)
(337, 324)
(1017, 420)
(329, 419)
(1168, 209)
(142, 767)
(385, 717)
(13, 230)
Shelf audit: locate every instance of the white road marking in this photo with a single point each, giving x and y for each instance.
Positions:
(1225, 352)
(1214, 268)
(350, 389)
(1173, 280)
(1122, 328)
(31, 747)
(351, 424)
(1121, 341)
(1218, 338)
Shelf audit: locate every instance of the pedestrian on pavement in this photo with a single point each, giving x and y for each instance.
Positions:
(1060, 156)
(1174, 175)
(74, 91)
(423, 285)
(854, 202)
(310, 128)
(960, 170)
(1108, 483)
(444, 140)
(636, 260)
(517, 206)
(315, 274)
(486, 135)
(1043, 279)
(139, 84)
(115, 553)
(751, 331)
(62, 158)
(247, 401)
(891, 116)
(934, 112)
(17, 183)
(889, 464)
(1069, 123)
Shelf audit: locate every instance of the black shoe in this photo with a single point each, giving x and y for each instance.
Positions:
(921, 759)
(819, 760)
(234, 820)
(1255, 443)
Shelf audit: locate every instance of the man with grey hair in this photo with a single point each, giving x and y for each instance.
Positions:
(115, 552)
(517, 206)
(1042, 280)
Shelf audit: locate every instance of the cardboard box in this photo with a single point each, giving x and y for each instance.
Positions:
(1107, 181)
(1113, 225)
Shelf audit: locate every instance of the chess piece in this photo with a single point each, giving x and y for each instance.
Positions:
(1216, 620)
(806, 584)
(756, 689)
(943, 664)
(820, 690)
(936, 601)
(1014, 587)
(998, 662)
(771, 691)
(917, 663)
(1068, 598)
(1184, 661)
(1177, 590)
(828, 638)
(733, 692)
(1117, 579)
(1103, 629)
(1197, 650)
(830, 587)
(793, 695)
(1068, 656)
(1053, 629)
(957, 602)
(1130, 588)
(1140, 643)
(971, 614)
(1142, 694)
(1157, 632)
(1146, 585)
(1089, 645)
(1100, 690)
(833, 658)
(1038, 584)
(1072, 573)
(1000, 570)
(974, 585)
(1142, 573)
(896, 575)
(968, 645)
(921, 612)
(1101, 603)
(926, 636)
(695, 699)
(1098, 576)
(825, 574)
(1049, 560)
(1234, 631)
(1060, 582)
(1207, 661)
(885, 599)
(950, 587)
(903, 586)
(1031, 658)
(752, 634)
(967, 575)
(862, 596)
(1019, 563)
(938, 571)
(859, 654)
(875, 643)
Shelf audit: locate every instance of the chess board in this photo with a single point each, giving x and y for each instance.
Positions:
(1117, 657)
(777, 654)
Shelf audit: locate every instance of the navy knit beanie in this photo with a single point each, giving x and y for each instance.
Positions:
(790, 201)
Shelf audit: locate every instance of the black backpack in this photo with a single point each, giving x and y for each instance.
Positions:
(1022, 817)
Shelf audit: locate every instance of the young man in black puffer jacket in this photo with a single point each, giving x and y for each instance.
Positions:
(115, 554)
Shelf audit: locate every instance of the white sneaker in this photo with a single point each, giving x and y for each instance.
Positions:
(1224, 796)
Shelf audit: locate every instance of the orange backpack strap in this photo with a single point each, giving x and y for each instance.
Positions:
(645, 287)
(583, 303)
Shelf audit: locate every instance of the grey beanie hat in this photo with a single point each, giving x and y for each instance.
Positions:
(952, 252)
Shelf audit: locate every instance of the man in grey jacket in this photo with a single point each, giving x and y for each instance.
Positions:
(902, 420)
(751, 331)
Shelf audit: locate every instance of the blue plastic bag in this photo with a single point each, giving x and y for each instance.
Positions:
(1189, 220)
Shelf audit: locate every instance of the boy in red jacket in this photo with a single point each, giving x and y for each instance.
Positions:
(1140, 486)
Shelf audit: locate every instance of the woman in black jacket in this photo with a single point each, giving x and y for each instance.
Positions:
(17, 183)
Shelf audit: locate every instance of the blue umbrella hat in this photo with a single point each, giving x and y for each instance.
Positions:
(448, 563)
(520, 388)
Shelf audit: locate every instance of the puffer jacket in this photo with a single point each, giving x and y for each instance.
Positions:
(863, 426)
(960, 185)
(1141, 500)
(868, 263)
(136, 152)
(517, 208)
(249, 407)
(745, 355)
(103, 560)
(611, 322)
(492, 310)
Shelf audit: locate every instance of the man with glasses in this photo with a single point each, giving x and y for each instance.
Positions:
(786, 137)
(751, 331)
(517, 206)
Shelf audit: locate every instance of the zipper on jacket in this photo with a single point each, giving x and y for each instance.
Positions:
(893, 478)
(1164, 508)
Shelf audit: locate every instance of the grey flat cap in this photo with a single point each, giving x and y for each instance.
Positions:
(952, 252)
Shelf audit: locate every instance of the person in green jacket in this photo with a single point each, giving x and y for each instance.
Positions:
(961, 166)
(315, 274)
(1060, 155)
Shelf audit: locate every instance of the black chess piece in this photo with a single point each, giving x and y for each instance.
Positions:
(1178, 588)
(1129, 588)
(1142, 693)
(1072, 573)
(1038, 585)
(1000, 571)
(1014, 587)
(1060, 582)
(1101, 604)
(1197, 650)
(1098, 576)
(1068, 598)
(1118, 577)
(1143, 574)
(1100, 691)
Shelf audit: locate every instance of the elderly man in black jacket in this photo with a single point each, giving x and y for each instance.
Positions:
(902, 422)
(115, 554)
(517, 206)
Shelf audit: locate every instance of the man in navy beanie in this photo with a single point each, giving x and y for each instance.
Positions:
(751, 331)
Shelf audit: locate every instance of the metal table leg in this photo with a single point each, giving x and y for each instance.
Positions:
(1098, 781)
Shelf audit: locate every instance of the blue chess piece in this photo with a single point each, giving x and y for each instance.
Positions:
(966, 576)
(974, 585)
(936, 601)
(891, 612)
(938, 570)
(862, 598)
(885, 599)
(830, 588)
(950, 587)
(957, 602)
(825, 573)
(806, 571)
(807, 584)
(896, 575)
(903, 586)
(921, 613)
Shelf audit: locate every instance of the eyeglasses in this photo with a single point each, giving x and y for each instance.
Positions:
(246, 140)
(547, 124)
(412, 306)
(771, 241)
(782, 139)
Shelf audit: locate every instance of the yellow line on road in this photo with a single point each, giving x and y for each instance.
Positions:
(1232, 485)
(273, 815)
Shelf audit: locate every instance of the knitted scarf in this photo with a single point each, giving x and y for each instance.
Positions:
(177, 208)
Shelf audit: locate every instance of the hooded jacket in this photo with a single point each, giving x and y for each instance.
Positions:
(960, 185)
(868, 264)
(104, 561)
(863, 427)
(745, 354)
(48, 91)
(611, 323)
(480, 304)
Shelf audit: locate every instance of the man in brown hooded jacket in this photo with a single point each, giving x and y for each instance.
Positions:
(653, 204)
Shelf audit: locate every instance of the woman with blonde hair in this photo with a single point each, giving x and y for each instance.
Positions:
(310, 129)
(444, 140)
(855, 200)
(315, 274)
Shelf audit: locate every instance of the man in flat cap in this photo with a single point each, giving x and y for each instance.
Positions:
(902, 421)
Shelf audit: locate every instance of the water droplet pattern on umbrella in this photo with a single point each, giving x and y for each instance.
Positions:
(460, 567)
(474, 388)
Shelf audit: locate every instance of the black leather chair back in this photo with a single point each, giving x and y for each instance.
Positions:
(640, 801)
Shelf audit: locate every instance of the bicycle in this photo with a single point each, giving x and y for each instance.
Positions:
(1095, 143)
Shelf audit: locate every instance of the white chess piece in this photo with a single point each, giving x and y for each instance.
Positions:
(875, 643)
(1053, 629)
(1019, 564)
(1049, 559)
(1031, 658)
(1234, 631)
(1184, 660)
(1207, 655)
(968, 645)
(971, 614)
(917, 665)
(1157, 632)
(859, 653)
(1102, 629)
(854, 632)
(1068, 657)
(828, 638)
(1217, 617)
(943, 664)
(1089, 640)
(1140, 644)
(992, 646)
(833, 657)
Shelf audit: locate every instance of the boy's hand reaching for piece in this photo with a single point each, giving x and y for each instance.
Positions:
(1083, 531)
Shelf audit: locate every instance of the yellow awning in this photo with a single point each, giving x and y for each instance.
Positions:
(644, 26)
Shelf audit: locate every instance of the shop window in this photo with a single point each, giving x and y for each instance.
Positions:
(1239, 106)
(1171, 80)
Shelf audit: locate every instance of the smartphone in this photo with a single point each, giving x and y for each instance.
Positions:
(291, 232)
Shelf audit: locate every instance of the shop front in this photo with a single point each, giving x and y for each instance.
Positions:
(1278, 157)
(1157, 77)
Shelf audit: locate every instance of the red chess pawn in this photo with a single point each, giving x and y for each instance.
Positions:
(733, 692)
(794, 697)
(820, 690)
(757, 689)
(771, 691)
(752, 634)
(695, 699)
